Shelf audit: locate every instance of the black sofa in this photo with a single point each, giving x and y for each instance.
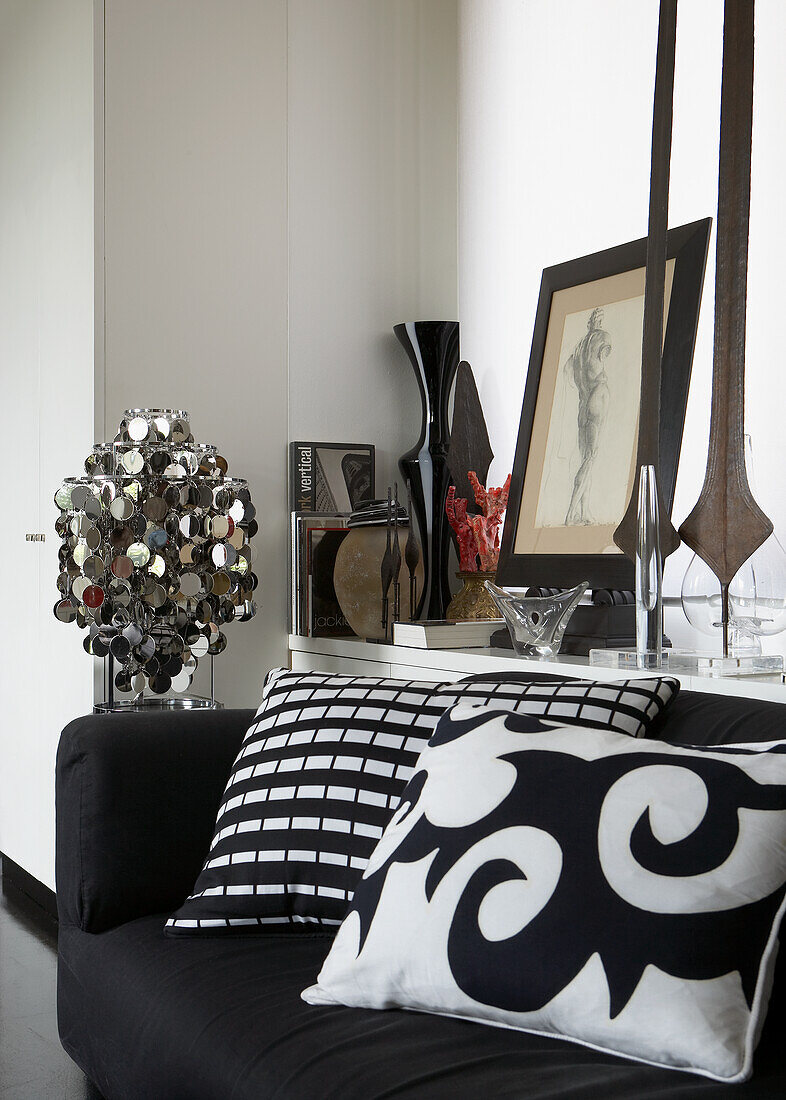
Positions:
(149, 1017)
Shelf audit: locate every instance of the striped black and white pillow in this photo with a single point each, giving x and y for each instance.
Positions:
(317, 778)
(321, 770)
(625, 706)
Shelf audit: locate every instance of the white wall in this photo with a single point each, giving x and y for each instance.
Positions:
(554, 149)
(372, 211)
(195, 223)
(46, 367)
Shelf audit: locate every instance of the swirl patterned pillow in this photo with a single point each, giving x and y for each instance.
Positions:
(623, 894)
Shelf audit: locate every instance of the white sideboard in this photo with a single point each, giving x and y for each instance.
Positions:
(355, 656)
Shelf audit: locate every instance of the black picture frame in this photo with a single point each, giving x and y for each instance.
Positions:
(687, 245)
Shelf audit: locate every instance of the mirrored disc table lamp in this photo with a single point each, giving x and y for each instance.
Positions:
(155, 558)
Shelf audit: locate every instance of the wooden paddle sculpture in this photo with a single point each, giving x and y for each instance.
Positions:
(727, 525)
(648, 450)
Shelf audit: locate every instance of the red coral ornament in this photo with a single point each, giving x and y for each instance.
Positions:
(486, 527)
(456, 510)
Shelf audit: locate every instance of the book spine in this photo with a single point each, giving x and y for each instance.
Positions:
(301, 477)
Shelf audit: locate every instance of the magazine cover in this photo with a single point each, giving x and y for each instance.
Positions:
(330, 478)
(314, 543)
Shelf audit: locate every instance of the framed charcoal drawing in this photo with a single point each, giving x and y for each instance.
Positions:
(574, 466)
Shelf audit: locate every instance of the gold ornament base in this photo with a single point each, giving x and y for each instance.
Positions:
(473, 601)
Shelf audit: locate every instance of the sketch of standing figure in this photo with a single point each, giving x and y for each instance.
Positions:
(585, 367)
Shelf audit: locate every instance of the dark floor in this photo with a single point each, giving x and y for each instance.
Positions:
(33, 1065)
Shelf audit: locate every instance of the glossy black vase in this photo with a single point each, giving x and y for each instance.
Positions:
(433, 350)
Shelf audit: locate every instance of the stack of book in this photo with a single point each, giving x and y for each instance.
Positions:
(442, 634)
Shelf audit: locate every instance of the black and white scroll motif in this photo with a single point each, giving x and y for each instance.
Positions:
(582, 845)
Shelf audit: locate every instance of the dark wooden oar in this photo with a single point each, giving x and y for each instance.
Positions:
(648, 450)
(727, 525)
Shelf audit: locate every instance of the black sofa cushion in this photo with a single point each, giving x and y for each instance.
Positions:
(575, 882)
(214, 1018)
(136, 804)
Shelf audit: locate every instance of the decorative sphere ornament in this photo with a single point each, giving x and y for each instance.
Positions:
(155, 557)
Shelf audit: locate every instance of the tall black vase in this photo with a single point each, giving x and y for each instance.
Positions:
(433, 349)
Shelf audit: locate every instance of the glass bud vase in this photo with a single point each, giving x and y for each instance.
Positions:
(649, 574)
(536, 623)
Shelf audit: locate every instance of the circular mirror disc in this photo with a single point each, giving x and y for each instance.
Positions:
(65, 611)
(219, 556)
(156, 538)
(189, 525)
(133, 462)
(133, 633)
(157, 597)
(79, 586)
(221, 583)
(121, 537)
(123, 680)
(63, 498)
(80, 554)
(190, 584)
(220, 527)
(160, 683)
(120, 648)
(121, 508)
(200, 647)
(204, 614)
(122, 566)
(138, 429)
(139, 554)
(93, 596)
(157, 566)
(182, 681)
(181, 430)
(155, 509)
(159, 460)
(93, 538)
(79, 495)
(93, 566)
